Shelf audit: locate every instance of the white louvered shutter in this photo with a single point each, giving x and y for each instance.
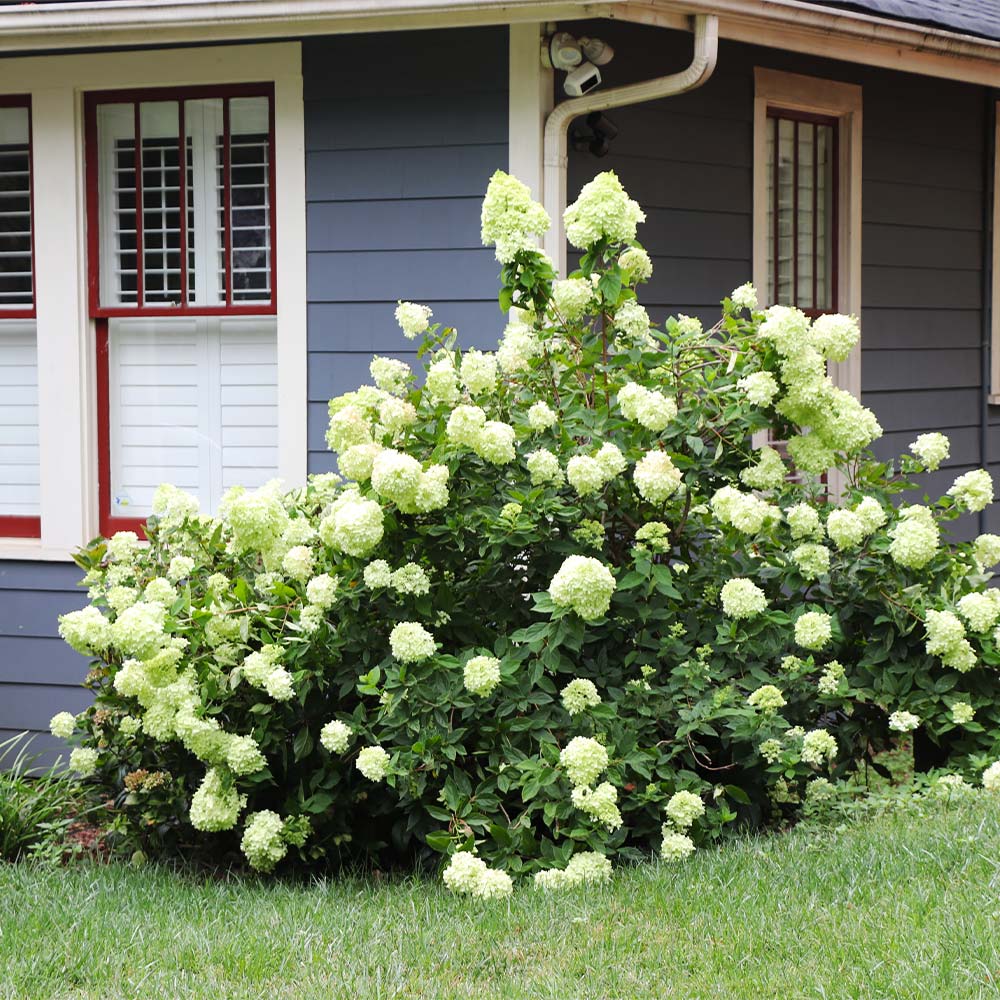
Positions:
(19, 466)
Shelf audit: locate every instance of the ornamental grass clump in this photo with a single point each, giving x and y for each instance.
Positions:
(557, 612)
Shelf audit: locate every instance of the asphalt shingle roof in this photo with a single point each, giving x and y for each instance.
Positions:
(967, 17)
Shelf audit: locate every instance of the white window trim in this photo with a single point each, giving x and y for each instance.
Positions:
(66, 339)
(994, 396)
(844, 102)
(530, 99)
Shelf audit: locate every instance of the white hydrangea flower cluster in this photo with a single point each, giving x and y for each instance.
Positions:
(986, 551)
(683, 808)
(915, 537)
(600, 804)
(519, 346)
(541, 416)
(804, 522)
(544, 468)
(813, 629)
(981, 609)
(478, 372)
(647, 407)
(481, 675)
(584, 868)
(903, 722)
(468, 875)
(216, 804)
(759, 388)
(584, 584)
(829, 680)
(83, 760)
(591, 473)
(441, 383)
(263, 843)
(767, 699)
(849, 528)
(390, 374)
(603, 211)
(818, 747)
(962, 712)
(572, 298)
(812, 560)
(973, 491)
(322, 590)
(675, 846)
(579, 695)
(413, 319)
(632, 323)
(411, 642)
(491, 440)
(745, 512)
(62, 725)
(373, 762)
(583, 759)
(767, 473)
(656, 477)
(173, 506)
(991, 777)
(744, 297)
(635, 265)
(511, 220)
(335, 736)
(946, 639)
(838, 423)
(355, 525)
(87, 631)
(256, 519)
(742, 599)
(931, 449)
(262, 670)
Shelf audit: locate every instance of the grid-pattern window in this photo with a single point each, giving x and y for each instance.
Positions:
(802, 210)
(224, 145)
(182, 268)
(19, 446)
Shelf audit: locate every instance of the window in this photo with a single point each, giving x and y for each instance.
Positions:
(182, 279)
(802, 210)
(807, 204)
(19, 444)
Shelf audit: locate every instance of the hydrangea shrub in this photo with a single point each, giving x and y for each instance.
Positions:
(557, 610)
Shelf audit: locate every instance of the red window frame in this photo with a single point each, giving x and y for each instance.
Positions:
(16, 525)
(108, 522)
(777, 114)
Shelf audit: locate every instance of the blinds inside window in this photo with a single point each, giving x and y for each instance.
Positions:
(225, 185)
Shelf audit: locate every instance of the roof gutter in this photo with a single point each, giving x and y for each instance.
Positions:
(706, 50)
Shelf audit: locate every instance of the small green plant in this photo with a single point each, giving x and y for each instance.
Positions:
(37, 804)
(558, 609)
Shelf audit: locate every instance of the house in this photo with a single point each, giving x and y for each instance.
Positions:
(843, 155)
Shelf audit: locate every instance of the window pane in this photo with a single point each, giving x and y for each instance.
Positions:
(801, 212)
(19, 469)
(159, 126)
(193, 401)
(249, 169)
(206, 278)
(116, 187)
(15, 209)
(786, 209)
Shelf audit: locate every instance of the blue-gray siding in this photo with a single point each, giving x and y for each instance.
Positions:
(402, 134)
(39, 674)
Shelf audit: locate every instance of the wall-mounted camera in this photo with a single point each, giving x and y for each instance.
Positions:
(582, 80)
(578, 58)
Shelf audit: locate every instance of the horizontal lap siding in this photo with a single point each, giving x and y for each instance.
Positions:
(402, 134)
(688, 160)
(39, 674)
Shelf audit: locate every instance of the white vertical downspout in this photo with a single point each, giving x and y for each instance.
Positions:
(706, 50)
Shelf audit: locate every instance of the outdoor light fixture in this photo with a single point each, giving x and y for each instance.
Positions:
(578, 58)
(596, 136)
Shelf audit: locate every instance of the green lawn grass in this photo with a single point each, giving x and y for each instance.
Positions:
(905, 906)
